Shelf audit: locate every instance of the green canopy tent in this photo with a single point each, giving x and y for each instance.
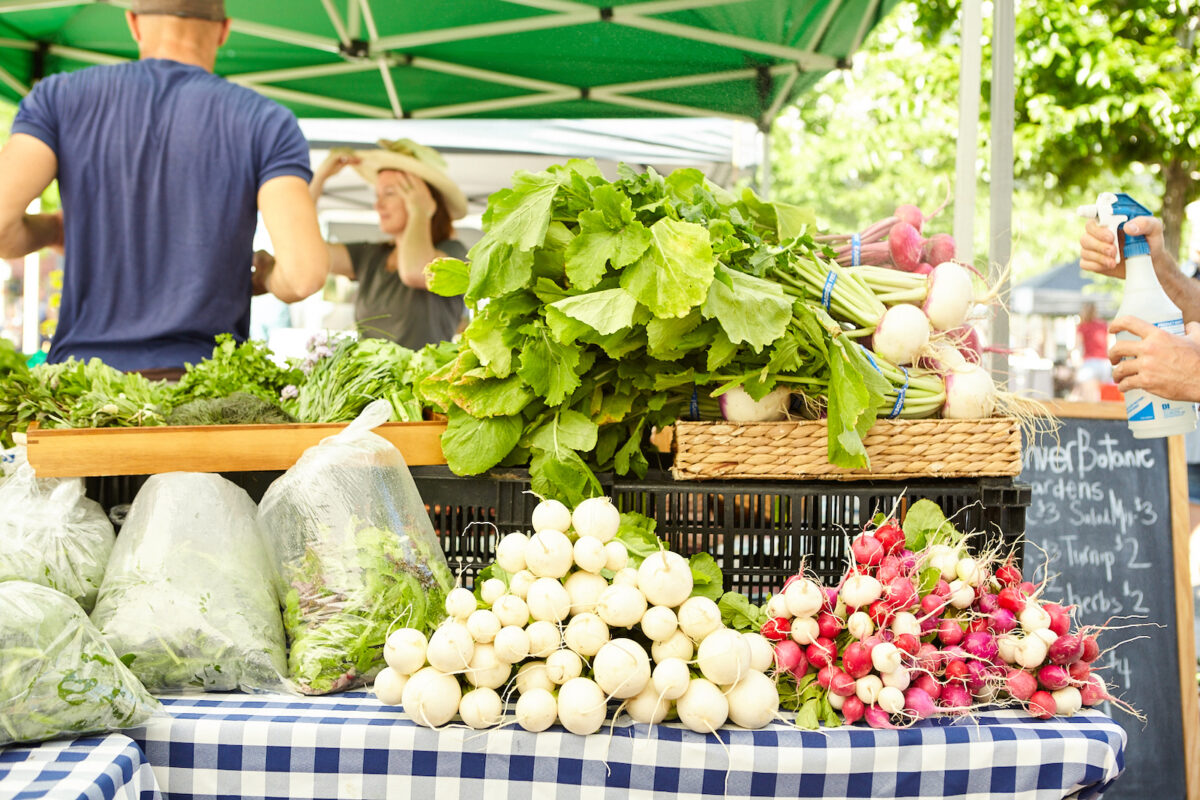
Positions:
(484, 58)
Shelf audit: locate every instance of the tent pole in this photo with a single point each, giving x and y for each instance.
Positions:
(764, 183)
(970, 59)
(1002, 106)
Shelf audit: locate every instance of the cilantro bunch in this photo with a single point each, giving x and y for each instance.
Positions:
(247, 367)
(612, 306)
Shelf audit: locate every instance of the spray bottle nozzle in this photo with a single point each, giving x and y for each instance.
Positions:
(1113, 210)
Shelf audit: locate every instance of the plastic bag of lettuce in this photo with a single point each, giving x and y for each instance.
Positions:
(356, 555)
(50, 533)
(188, 599)
(58, 676)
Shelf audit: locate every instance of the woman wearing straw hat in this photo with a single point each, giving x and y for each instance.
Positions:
(417, 202)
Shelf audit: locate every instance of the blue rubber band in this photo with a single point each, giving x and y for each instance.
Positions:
(695, 406)
(855, 250)
(903, 390)
(871, 358)
(827, 292)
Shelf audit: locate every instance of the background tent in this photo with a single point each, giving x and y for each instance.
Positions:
(1061, 292)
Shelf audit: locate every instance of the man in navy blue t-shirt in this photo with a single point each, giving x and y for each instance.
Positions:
(162, 167)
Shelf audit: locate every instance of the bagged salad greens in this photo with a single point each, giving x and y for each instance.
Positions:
(58, 676)
(50, 533)
(188, 600)
(356, 555)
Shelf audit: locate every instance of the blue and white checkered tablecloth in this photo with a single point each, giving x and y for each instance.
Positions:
(109, 767)
(350, 746)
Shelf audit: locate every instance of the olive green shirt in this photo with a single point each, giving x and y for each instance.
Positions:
(387, 309)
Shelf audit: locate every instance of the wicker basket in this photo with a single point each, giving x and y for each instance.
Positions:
(944, 448)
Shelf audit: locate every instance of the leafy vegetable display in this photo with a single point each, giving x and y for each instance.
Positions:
(247, 367)
(355, 554)
(187, 599)
(58, 676)
(609, 302)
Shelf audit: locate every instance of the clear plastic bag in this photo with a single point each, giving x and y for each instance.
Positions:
(189, 592)
(52, 534)
(58, 676)
(356, 555)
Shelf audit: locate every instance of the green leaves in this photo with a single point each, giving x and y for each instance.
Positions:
(606, 311)
(673, 275)
(608, 234)
(448, 277)
(707, 580)
(739, 613)
(925, 525)
(473, 445)
(751, 310)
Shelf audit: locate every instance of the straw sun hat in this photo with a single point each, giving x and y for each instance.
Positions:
(415, 159)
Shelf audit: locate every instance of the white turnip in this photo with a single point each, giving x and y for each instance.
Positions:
(596, 517)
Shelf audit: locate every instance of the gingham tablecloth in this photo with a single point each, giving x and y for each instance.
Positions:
(109, 767)
(350, 746)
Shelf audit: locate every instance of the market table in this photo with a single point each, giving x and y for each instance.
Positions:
(109, 767)
(351, 746)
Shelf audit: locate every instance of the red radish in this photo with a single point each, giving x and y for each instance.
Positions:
(949, 297)
(825, 675)
(822, 652)
(932, 604)
(905, 245)
(867, 550)
(856, 660)
(777, 629)
(901, 594)
(829, 625)
(852, 709)
(1091, 650)
(1066, 649)
(1028, 589)
(842, 684)
(924, 268)
(1060, 620)
(956, 670)
(909, 213)
(1008, 575)
(908, 643)
(1011, 599)
(891, 537)
(1093, 691)
(831, 598)
(889, 570)
(1042, 705)
(966, 339)
(788, 655)
(1020, 684)
(979, 625)
(955, 698)
(949, 631)
(1053, 677)
(941, 588)
(880, 613)
(1080, 671)
(929, 658)
(986, 602)
(939, 248)
(902, 334)
(928, 684)
(878, 718)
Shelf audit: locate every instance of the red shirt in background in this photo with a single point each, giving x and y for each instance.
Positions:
(1095, 338)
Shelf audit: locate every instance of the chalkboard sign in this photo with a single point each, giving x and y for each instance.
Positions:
(1110, 511)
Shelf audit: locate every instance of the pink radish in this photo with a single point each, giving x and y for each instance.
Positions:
(918, 703)
(939, 248)
(1091, 650)
(905, 245)
(842, 684)
(1042, 705)
(1066, 649)
(878, 718)
(955, 698)
(928, 684)
(1093, 691)
(853, 709)
(1020, 684)
(910, 214)
(788, 655)
(1053, 677)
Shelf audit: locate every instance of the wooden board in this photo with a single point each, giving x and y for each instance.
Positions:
(83, 452)
(1111, 513)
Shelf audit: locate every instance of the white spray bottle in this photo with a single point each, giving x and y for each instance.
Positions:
(1150, 416)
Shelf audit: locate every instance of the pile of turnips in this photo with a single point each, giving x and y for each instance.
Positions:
(918, 627)
(569, 618)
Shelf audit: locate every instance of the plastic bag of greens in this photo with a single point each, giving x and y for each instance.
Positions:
(356, 554)
(51, 534)
(58, 677)
(189, 595)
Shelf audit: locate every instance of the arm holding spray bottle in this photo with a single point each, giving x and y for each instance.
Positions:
(1156, 359)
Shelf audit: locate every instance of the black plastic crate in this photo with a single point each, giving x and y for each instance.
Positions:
(759, 532)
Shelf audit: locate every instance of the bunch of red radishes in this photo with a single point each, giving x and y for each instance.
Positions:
(894, 241)
(908, 635)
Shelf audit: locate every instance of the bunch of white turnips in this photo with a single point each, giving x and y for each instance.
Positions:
(569, 632)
